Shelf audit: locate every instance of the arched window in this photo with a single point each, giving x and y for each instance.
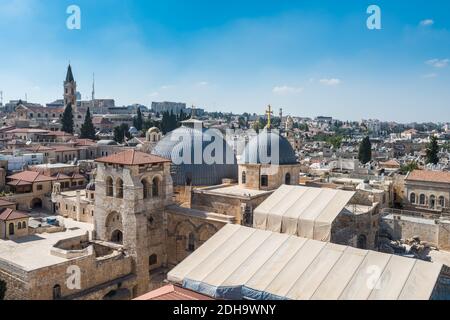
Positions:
(442, 201)
(57, 292)
(287, 179)
(109, 187)
(119, 188)
(432, 201)
(412, 198)
(146, 190)
(152, 260)
(244, 177)
(422, 199)
(155, 187)
(11, 229)
(24, 225)
(19, 226)
(191, 242)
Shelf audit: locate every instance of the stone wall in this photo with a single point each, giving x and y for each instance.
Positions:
(179, 227)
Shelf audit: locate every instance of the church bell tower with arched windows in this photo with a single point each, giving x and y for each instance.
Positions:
(132, 190)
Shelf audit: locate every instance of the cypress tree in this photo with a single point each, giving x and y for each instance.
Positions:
(138, 122)
(87, 129)
(433, 151)
(365, 151)
(67, 119)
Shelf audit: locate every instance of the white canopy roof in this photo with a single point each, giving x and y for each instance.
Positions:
(302, 211)
(246, 263)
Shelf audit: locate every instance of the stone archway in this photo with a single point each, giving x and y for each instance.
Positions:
(182, 232)
(36, 203)
(205, 231)
(114, 227)
(117, 237)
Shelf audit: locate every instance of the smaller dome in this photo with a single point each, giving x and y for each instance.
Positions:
(153, 130)
(261, 146)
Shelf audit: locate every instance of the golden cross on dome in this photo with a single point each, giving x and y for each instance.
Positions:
(269, 114)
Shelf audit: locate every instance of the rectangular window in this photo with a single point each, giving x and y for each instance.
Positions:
(39, 187)
(264, 181)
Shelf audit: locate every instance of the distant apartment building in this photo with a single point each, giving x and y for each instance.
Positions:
(323, 119)
(174, 107)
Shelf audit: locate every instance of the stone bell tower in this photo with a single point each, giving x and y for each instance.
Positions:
(70, 90)
(132, 190)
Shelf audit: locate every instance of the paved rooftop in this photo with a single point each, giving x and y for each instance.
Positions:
(33, 252)
(235, 191)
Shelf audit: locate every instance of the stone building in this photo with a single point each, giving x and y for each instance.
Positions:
(13, 224)
(429, 190)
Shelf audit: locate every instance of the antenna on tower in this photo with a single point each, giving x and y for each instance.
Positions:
(93, 86)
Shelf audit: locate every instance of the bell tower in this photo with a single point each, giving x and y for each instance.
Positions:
(132, 190)
(70, 89)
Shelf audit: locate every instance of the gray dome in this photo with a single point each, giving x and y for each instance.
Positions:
(107, 143)
(261, 146)
(183, 139)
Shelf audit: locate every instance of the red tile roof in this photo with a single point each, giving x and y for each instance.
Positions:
(132, 157)
(429, 176)
(16, 183)
(10, 214)
(173, 293)
(39, 149)
(4, 203)
(64, 149)
(30, 176)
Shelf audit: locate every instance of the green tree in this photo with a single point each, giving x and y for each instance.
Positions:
(67, 119)
(121, 132)
(87, 129)
(365, 151)
(335, 141)
(137, 121)
(409, 167)
(2, 289)
(433, 151)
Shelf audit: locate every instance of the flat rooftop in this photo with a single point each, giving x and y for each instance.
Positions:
(234, 190)
(34, 252)
(412, 219)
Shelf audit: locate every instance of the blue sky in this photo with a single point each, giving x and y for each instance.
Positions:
(309, 57)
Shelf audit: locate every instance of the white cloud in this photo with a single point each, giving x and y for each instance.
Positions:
(202, 83)
(330, 82)
(16, 8)
(430, 75)
(438, 63)
(166, 87)
(426, 22)
(154, 94)
(283, 90)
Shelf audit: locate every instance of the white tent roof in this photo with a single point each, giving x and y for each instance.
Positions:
(246, 263)
(302, 211)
